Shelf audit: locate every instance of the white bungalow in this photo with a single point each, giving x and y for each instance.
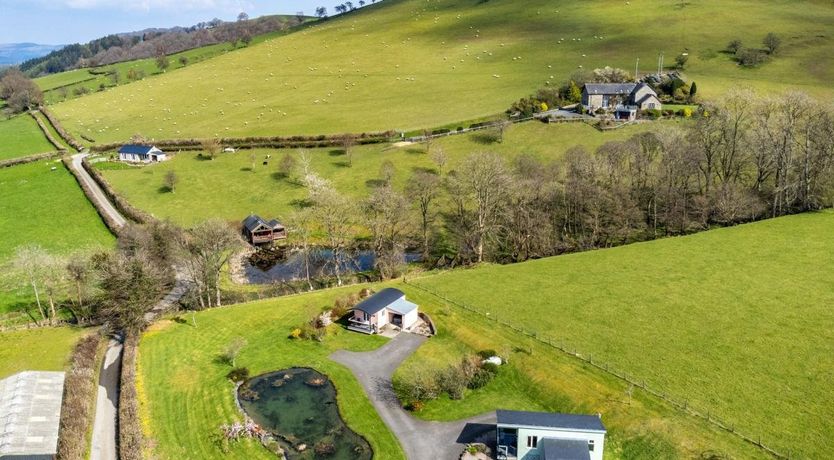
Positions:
(135, 153)
(387, 306)
(549, 436)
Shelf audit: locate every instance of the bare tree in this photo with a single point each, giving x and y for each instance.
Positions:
(423, 188)
(388, 221)
(31, 262)
(211, 147)
(483, 177)
(301, 228)
(131, 285)
(336, 216)
(347, 142)
(19, 91)
(440, 159)
(232, 350)
(387, 171)
(170, 181)
(205, 249)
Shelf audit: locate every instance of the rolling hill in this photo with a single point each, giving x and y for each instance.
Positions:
(405, 64)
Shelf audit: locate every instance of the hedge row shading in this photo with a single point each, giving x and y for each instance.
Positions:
(77, 408)
(31, 158)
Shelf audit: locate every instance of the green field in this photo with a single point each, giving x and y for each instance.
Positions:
(186, 397)
(93, 78)
(45, 349)
(737, 321)
(20, 136)
(406, 64)
(45, 207)
(263, 192)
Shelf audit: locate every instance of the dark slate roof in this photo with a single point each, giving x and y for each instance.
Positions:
(610, 88)
(252, 222)
(380, 300)
(564, 449)
(136, 149)
(550, 420)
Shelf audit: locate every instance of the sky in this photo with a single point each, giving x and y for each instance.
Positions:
(62, 22)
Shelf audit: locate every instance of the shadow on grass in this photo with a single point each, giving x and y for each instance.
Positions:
(416, 151)
(417, 169)
(374, 183)
(484, 138)
(342, 164)
(301, 203)
(337, 152)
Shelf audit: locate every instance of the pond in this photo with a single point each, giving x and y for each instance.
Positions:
(299, 406)
(292, 268)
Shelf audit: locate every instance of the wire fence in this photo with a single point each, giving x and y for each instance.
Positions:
(680, 404)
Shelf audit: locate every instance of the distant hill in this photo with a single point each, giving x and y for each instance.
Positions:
(15, 53)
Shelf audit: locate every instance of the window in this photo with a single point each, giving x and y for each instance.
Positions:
(591, 445)
(532, 441)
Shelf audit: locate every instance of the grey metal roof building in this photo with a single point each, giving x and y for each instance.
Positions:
(30, 412)
(564, 449)
(550, 420)
(379, 301)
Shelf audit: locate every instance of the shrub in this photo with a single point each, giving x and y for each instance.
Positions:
(488, 353)
(238, 374)
(750, 57)
(415, 406)
(653, 113)
(79, 396)
(452, 381)
(296, 333)
(481, 378)
(130, 428)
(492, 368)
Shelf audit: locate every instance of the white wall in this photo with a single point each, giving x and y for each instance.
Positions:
(526, 453)
(410, 318)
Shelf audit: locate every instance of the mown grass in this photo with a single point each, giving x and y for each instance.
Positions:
(45, 349)
(265, 192)
(538, 378)
(186, 396)
(44, 207)
(736, 321)
(20, 136)
(409, 64)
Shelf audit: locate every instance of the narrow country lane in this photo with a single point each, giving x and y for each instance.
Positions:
(98, 194)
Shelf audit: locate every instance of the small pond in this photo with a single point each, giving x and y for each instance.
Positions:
(299, 406)
(292, 268)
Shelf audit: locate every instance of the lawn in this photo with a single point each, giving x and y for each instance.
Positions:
(186, 397)
(720, 319)
(44, 349)
(410, 64)
(45, 207)
(265, 193)
(21, 136)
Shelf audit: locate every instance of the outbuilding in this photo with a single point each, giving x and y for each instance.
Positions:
(136, 153)
(388, 306)
(257, 231)
(30, 413)
(548, 436)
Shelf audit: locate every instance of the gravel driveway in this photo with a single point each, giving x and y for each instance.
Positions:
(421, 440)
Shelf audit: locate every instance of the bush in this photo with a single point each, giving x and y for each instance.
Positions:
(492, 368)
(653, 113)
(295, 334)
(750, 57)
(130, 428)
(600, 111)
(238, 374)
(79, 396)
(486, 354)
(415, 406)
(452, 381)
(481, 378)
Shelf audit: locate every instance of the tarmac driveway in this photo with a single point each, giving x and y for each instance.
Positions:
(421, 440)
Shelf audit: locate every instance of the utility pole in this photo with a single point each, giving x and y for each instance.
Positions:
(637, 69)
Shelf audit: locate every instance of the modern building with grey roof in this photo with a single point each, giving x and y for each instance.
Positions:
(30, 413)
(549, 436)
(387, 306)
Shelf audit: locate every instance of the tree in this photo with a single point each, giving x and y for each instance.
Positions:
(211, 147)
(170, 181)
(21, 93)
(693, 90)
(162, 62)
(501, 127)
(287, 166)
(735, 46)
(232, 350)
(427, 138)
(440, 159)
(131, 285)
(321, 12)
(423, 187)
(387, 220)
(347, 142)
(81, 275)
(205, 249)
(483, 178)
(301, 227)
(336, 215)
(183, 61)
(681, 60)
(574, 92)
(387, 171)
(242, 17)
(772, 43)
(31, 262)
(611, 75)
(246, 37)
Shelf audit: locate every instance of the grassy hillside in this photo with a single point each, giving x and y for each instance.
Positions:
(737, 321)
(266, 193)
(180, 374)
(403, 64)
(45, 207)
(20, 136)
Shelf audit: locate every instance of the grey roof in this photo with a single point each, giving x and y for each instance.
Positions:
(564, 449)
(379, 301)
(30, 412)
(253, 222)
(550, 420)
(610, 88)
(136, 149)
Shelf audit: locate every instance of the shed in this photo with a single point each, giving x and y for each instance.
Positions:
(30, 413)
(549, 436)
(388, 306)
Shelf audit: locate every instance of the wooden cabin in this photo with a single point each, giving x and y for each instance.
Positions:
(257, 231)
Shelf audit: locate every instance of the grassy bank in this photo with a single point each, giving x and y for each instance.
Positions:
(21, 137)
(45, 349)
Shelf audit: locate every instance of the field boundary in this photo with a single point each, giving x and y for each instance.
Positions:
(60, 129)
(122, 205)
(108, 221)
(31, 158)
(681, 405)
(46, 132)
